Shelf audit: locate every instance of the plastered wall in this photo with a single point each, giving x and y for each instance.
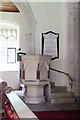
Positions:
(48, 16)
(52, 16)
(12, 77)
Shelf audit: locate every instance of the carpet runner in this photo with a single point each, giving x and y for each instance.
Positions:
(58, 115)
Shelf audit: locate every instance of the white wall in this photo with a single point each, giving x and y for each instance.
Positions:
(52, 16)
(48, 16)
(16, 18)
(12, 77)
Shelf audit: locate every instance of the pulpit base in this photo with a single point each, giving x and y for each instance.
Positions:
(36, 92)
(35, 100)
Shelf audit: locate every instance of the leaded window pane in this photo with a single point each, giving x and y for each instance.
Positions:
(8, 39)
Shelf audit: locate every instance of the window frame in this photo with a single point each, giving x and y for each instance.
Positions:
(8, 55)
(10, 25)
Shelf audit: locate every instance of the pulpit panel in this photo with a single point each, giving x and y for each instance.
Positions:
(30, 73)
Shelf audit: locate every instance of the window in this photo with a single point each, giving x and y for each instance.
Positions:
(8, 44)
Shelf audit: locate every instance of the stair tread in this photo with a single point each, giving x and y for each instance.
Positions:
(61, 94)
(63, 100)
(59, 89)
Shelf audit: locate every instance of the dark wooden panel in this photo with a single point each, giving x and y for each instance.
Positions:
(8, 7)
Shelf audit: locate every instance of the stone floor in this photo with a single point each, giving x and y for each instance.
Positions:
(48, 106)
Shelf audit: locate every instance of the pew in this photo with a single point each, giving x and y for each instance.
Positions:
(3, 84)
(16, 108)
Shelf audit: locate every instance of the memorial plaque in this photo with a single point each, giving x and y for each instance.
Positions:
(50, 44)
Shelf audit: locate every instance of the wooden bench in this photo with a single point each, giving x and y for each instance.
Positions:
(20, 109)
(3, 84)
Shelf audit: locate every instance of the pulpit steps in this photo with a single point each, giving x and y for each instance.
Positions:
(59, 94)
(58, 89)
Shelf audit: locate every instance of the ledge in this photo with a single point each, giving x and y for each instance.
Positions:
(19, 106)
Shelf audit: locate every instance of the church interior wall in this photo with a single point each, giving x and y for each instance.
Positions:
(52, 16)
(48, 16)
(13, 75)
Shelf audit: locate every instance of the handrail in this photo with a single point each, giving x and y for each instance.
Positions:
(71, 80)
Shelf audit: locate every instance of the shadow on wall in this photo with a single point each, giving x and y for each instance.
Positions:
(11, 77)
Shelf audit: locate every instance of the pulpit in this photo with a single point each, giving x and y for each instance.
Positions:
(35, 74)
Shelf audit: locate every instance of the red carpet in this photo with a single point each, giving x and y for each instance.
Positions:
(58, 115)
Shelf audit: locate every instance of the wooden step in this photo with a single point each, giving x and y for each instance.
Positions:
(63, 100)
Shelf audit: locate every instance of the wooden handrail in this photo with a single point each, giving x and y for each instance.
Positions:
(71, 80)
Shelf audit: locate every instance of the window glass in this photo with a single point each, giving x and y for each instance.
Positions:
(8, 40)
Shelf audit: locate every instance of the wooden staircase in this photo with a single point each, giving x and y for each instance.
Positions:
(59, 94)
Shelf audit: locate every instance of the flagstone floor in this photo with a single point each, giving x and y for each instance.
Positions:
(48, 106)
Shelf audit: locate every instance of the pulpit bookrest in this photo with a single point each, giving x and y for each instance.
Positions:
(19, 108)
